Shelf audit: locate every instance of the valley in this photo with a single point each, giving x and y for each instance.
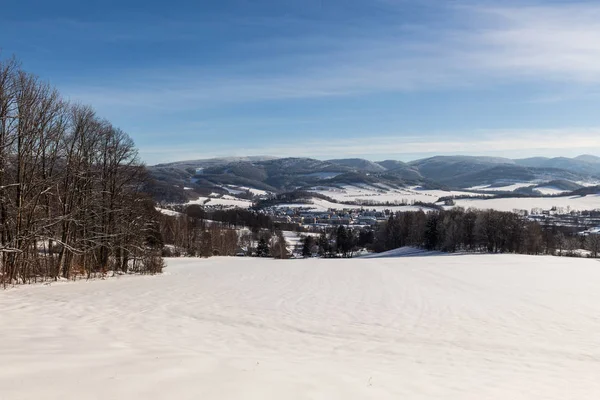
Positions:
(352, 191)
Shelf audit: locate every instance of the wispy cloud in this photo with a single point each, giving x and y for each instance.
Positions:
(556, 42)
(484, 46)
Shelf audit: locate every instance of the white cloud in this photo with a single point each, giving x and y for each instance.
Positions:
(560, 42)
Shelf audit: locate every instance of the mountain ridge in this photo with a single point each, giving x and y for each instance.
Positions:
(293, 173)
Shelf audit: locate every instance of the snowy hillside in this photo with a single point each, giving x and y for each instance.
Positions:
(385, 194)
(575, 203)
(447, 172)
(317, 204)
(454, 327)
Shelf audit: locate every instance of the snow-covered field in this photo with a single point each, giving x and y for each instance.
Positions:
(507, 188)
(324, 205)
(576, 203)
(439, 327)
(257, 192)
(168, 212)
(225, 201)
(550, 190)
(383, 193)
(349, 193)
(235, 190)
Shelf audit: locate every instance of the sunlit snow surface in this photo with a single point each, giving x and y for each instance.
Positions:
(384, 194)
(575, 203)
(437, 327)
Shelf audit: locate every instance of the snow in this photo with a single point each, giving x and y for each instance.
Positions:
(455, 327)
(405, 252)
(550, 190)
(507, 188)
(232, 190)
(242, 189)
(187, 188)
(588, 183)
(384, 194)
(317, 204)
(323, 175)
(575, 203)
(200, 200)
(170, 213)
(229, 201)
(225, 201)
(293, 240)
(256, 192)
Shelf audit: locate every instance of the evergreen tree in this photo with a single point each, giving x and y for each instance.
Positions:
(345, 241)
(324, 245)
(307, 247)
(431, 231)
(262, 250)
(365, 238)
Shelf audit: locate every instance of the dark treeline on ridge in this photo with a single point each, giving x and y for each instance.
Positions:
(70, 182)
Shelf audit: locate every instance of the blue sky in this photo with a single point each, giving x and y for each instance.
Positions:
(324, 78)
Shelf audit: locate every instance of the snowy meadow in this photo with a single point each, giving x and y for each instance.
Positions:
(437, 327)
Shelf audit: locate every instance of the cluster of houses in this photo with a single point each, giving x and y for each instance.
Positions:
(307, 217)
(578, 220)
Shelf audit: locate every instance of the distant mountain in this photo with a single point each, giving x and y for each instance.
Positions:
(586, 164)
(588, 158)
(393, 164)
(561, 184)
(506, 173)
(449, 169)
(465, 171)
(401, 170)
(498, 173)
(180, 180)
(211, 162)
(359, 164)
(584, 191)
(532, 161)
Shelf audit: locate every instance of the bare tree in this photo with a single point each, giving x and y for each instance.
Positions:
(592, 242)
(70, 200)
(560, 241)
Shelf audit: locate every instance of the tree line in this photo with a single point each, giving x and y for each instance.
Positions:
(451, 231)
(233, 232)
(473, 230)
(70, 188)
(342, 242)
(301, 196)
(201, 233)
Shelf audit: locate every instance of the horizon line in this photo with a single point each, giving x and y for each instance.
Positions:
(267, 157)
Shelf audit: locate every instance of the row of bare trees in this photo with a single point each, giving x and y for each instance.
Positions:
(192, 236)
(221, 233)
(70, 201)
